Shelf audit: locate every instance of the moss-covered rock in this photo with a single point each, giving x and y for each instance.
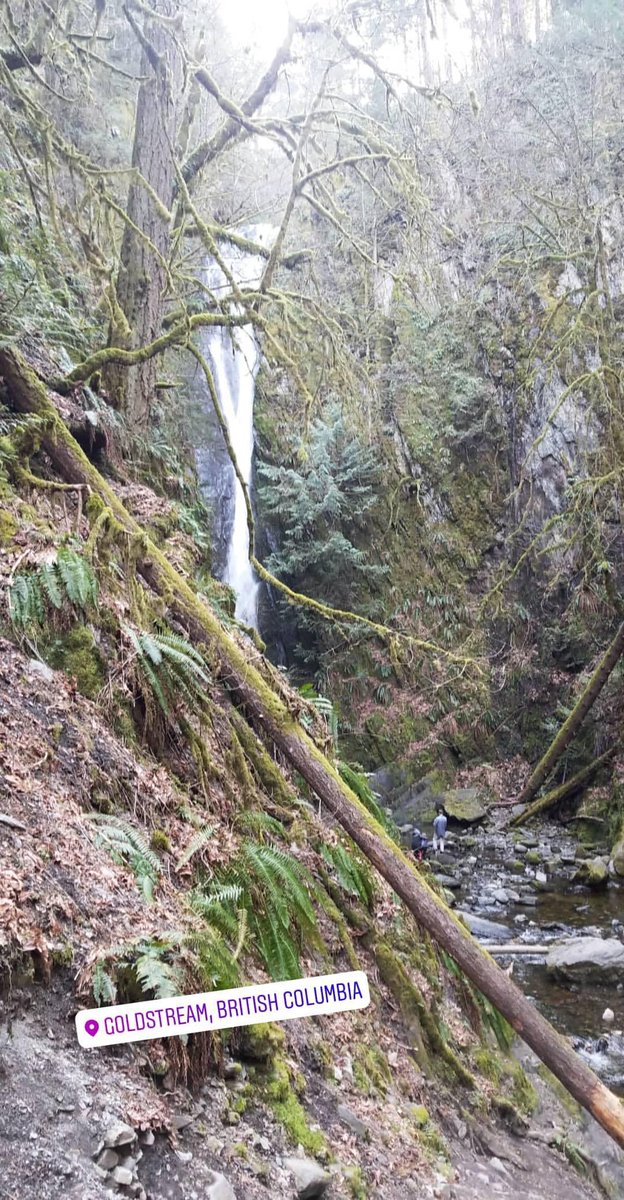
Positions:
(8, 527)
(77, 655)
(260, 1043)
(465, 805)
(617, 855)
(279, 1094)
(371, 1071)
(593, 872)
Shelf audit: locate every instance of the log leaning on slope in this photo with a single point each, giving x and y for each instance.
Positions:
(564, 790)
(560, 743)
(270, 713)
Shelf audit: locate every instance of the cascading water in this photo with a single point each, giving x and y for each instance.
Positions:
(234, 356)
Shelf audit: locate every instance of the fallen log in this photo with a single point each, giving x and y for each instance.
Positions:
(573, 722)
(270, 713)
(517, 948)
(565, 790)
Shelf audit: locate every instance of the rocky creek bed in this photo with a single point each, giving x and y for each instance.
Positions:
(540, 888)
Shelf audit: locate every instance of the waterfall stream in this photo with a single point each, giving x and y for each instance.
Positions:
(234, 356)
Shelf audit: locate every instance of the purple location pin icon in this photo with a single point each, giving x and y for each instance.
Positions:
(91, 1027)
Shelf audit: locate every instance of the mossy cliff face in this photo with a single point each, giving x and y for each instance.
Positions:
(472, 468)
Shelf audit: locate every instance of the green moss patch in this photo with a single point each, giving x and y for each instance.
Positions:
(77, 655)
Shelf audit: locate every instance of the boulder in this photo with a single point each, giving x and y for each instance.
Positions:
(593, 872)
(617, 857)
(448, 881)
(587, 958)
(465, 805)
(310, 1178)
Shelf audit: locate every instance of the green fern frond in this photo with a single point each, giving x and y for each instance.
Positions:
(78, 577)
(197, 842)
(51, 585)
(128, 847)
(157, 976)
(253, 821)
(103, 985)
(68, 579)
(276, 947)
(171, 669)
(352, 875)
(359, 784)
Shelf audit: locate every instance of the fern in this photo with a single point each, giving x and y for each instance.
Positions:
(359, 785)
(277, 949)
(171, 669)
(66, 580)
(351, 873)
(253, 821)
(144, 961)
(155, 975)
(103, 985)
(77, 576)
(324, 707)
(274, 890)
(128, 847)
(197, 842)
(215, 960)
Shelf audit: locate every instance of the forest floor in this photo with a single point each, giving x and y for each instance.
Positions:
(57, 1102)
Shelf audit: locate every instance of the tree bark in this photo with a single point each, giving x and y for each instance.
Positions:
(575, 784)
(569, 728)
(142, 279)
(271, 714)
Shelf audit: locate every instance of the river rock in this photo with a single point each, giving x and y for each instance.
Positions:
(482, 928)
(593, 872)
(590, 958)
(465, 805)
(449, 881)
(310, 1178)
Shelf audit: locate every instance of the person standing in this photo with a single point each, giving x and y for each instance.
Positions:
(439, 828)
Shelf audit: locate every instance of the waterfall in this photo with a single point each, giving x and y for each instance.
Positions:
(234, 357)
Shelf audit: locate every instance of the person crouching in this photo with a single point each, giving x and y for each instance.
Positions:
(420, 844)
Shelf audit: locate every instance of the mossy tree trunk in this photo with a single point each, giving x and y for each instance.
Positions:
(142, 279)
(565, 790)
(270, 713)
(573, 723)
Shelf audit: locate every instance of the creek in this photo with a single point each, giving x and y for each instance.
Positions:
(508, 899)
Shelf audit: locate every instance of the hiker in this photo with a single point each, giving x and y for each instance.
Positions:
(420, 844)
(439, 828)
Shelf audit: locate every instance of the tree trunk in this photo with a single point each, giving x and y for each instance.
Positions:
(269, 712)
(569, 728)
(142, 280)
(575, 784)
